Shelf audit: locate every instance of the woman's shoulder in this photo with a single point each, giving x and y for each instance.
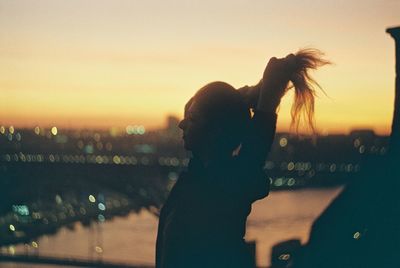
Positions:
(242, 180)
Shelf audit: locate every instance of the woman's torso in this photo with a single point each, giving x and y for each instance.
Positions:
(203, 221)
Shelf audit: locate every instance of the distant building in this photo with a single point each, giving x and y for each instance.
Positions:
(363, 133)
(172, 129)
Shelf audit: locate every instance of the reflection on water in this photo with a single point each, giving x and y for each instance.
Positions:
(131, 239)
(284, 215)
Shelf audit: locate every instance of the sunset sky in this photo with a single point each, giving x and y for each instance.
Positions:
(93, 63)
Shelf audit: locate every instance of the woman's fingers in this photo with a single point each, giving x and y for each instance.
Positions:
(290, 62)
(278, 69)
(289, 56)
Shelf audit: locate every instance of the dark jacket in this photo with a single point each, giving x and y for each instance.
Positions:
(203, 221)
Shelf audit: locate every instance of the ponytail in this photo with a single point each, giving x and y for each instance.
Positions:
(303, 84)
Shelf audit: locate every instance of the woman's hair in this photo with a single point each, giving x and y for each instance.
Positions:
(224, 108)
(303, 84)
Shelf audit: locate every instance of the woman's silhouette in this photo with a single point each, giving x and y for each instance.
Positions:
(203, 222)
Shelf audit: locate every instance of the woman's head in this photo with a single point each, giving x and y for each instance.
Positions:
(216, 118)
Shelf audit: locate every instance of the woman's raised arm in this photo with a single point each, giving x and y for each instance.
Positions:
(264, 98)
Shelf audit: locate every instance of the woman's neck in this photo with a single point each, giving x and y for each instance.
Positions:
(207, 157)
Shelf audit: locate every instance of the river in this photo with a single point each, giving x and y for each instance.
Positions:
(281, 216)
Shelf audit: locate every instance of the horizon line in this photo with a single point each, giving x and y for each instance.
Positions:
(122, 128)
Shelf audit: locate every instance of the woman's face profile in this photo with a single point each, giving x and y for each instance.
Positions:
(194, 127)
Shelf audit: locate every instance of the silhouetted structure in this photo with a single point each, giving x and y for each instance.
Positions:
(360, 227)
(395, 136)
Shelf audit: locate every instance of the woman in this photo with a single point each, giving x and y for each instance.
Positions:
(203, 222)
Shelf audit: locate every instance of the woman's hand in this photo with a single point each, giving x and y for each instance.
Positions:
(275, 81)
(251, 94)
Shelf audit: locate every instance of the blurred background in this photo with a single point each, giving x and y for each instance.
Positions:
(92, 93)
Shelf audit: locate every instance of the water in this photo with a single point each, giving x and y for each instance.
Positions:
(281, 216)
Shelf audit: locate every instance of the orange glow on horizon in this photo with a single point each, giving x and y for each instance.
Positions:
(156, 123)
(127, 62)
